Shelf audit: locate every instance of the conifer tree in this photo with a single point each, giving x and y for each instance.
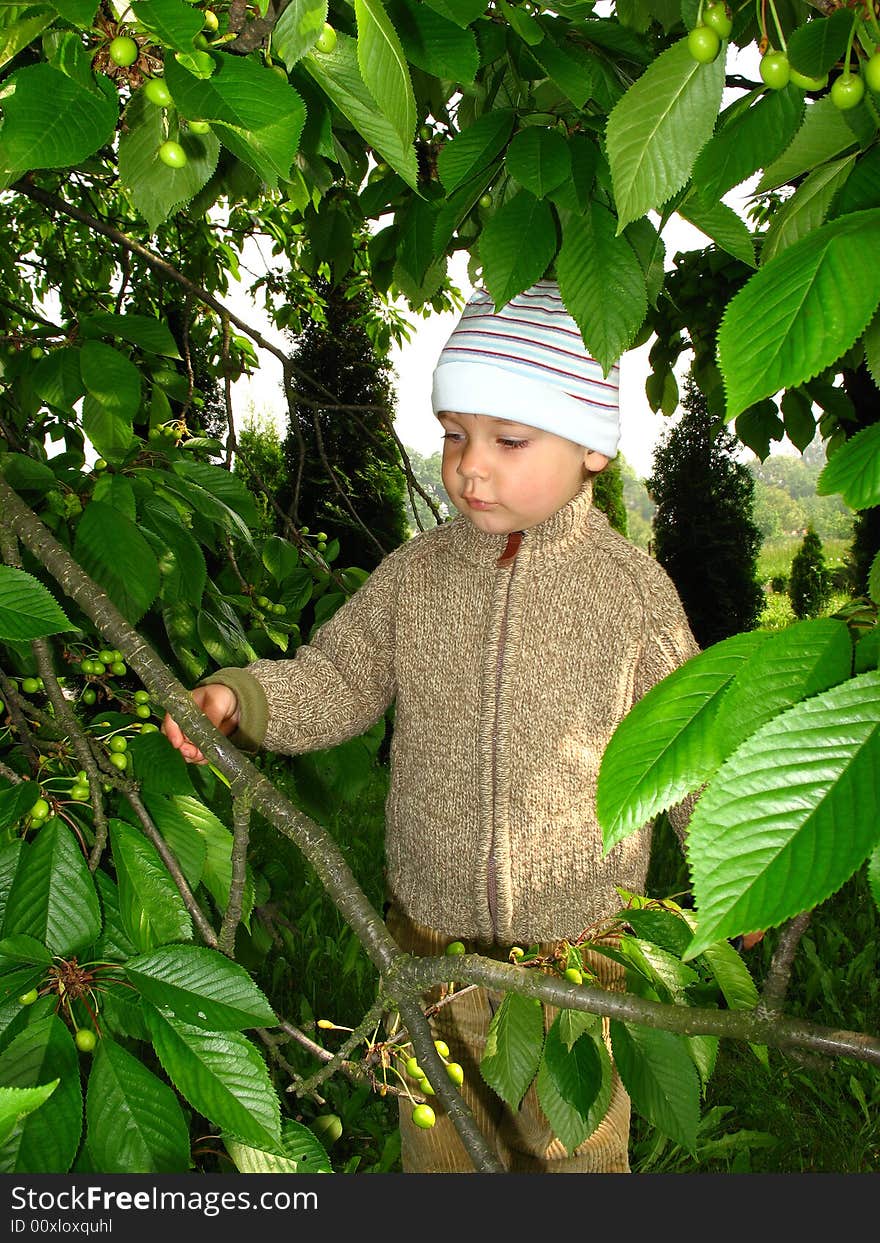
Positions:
(809, 584)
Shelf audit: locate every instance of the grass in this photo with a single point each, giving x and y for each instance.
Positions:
(774, 563)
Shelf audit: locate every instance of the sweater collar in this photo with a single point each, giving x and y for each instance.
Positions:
(556, 538)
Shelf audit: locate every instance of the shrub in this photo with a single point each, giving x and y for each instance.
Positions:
(809, 587)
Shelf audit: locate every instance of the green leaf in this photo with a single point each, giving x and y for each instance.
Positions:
(573, 1024)
(661, 1079)
(222, 484)
(804, 659)
(338, 75)
(222, 1076)
(112, 550)
(150, 334)
(473, 148)
(200, 986)
(53, 896)
(664, 971)
(750, 140)
(185, 841)
(10, 857)
(513, 1047)
(116, 491)
(51, 121)
(462, 12)
(567, 1122)
(573, 70)
(255, 114)
(17, 1103)
(801, 311)
(16, 36)
(798, 419)
(303, 1153)
(15, 802)
(46, 1141)
(665, 748)
(602, 284)
(854, 470)
(862, 187)
(57, 379)
(823, 134)
(150, 905)
(156, 190)
(658, 128)
(383, 67)
(817, 45)
(181, 562)
(297, 28)
(157, 766)
(539, 159)
(135, 1123)
(724, 226)
(508, 266)
(576, 1070)
(433, 43)
(217, 875)
(174, 23)
(280, 557)
(77, 12)
(789, 816)
(221, 633)
(114, 384)
(807, 208)
(114, 942)
(874, 875)
(23, 950)
(27, 610)
(874, 580)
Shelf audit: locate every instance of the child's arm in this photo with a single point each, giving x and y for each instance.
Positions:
(335, 687)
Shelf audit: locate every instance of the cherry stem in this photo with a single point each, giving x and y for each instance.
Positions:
(782, 42)
(847, 69)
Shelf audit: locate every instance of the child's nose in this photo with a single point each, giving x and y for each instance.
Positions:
(472, 461)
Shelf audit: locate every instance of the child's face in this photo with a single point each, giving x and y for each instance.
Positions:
(506, 476)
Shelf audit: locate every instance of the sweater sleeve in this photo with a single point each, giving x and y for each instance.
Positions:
(335, 687)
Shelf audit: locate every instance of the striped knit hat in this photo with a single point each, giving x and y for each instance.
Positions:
(527, 363)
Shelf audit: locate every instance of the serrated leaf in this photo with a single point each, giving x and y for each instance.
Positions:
(823, 134)
(568, 1123)
(574, 70)
(185, 841)
(155, 189)
(798, 419)
(10, 857)
(801, 311)
(174, 23)
(200, 986)
(383, 67)
(663, 970)
(114, 942)
(157, 766)
(804, 659)
(338, 75)
(19, 949)
(657, 129)
(150, 905)
(724, 226)
(462, 12)
(53, 896)
(118, 492)
(508, 266)
(222, 484)
(17, 1103)
(874, 875)
(112, 550)
(807, 208)
(280, 557)
(800, 799)
(662, 927)
(576, 1071)
(874, 579)
(665, 747)
(817, 45)
(474, 148)
(150, 334)
(25, 474)
(435, 44)
(217, 875)
(179, 557)
(114, 384)
(300, 1152)
(222, 1076)
(57, 379)
(27, 609)
(573, 1024)
(17, 35)
(44, 1142)
(661, 1079)
(255, 114)
(135, 1123)
(297, 29)
(602, 284)
(854, 470)
(862, 188)
(513, 1047)
(539, 159)
(751, 140)
(51, 121)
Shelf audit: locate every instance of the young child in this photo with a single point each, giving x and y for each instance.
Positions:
(512, 641)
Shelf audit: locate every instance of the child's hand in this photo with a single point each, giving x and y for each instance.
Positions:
(219, 704)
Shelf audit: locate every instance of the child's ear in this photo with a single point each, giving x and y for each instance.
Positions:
(595, 461)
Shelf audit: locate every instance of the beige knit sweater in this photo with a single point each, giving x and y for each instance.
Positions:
(509, 676)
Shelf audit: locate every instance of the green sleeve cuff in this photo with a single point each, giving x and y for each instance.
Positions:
(253, 707)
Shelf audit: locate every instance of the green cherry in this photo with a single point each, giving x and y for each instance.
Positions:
(703, 44)
(328, 1127)
(30, 686)
(574, 976)
(85, 1040)
(775, 70)
(123, 51)
(442, 1048)
(199, 127)
(424, 1117)
(326, 40)
(413, 1069)
(456, 1073)
(89, 696)
(871, 72)
(172, 154)
(28, 999)
(717, 17)
(118, 743)
(118, 760)
(806, 83)
(454, 948)
(141, 697)
(847, 91)
(158, 93)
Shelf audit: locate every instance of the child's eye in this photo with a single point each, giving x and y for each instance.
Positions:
(513, 444)
(455, 436)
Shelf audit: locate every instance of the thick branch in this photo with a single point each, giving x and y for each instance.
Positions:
(241, 826)
(779, 975)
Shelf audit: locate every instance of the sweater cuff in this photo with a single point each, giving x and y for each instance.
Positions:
(253, 706)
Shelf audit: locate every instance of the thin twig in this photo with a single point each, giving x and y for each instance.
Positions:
(241, 825)
(779, 972)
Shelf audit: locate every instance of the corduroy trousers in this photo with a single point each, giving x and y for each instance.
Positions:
(523, 1138)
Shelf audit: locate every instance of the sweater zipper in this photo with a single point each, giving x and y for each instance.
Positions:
(514, 540)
